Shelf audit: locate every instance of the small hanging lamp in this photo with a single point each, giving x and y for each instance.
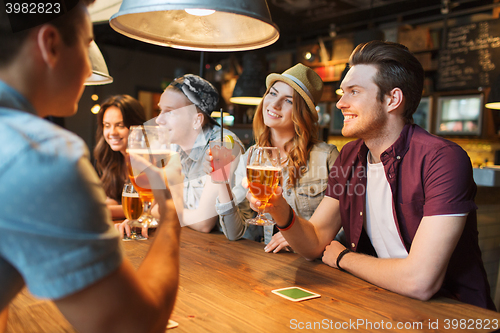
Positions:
(251, 84)
(494, 96)
(203, 25)
(100, 74)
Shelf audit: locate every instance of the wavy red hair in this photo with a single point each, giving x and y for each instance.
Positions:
(305, 123)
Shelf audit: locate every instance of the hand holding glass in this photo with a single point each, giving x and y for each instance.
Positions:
(151, 144)
(263, 174)
(223, 153)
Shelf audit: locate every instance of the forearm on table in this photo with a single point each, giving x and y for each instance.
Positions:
(198, 221)
(398, 275)
(302, 237)
(421, 274)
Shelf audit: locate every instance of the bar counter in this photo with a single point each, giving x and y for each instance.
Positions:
(226, 287)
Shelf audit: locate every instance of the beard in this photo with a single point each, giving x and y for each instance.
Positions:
(371, 125)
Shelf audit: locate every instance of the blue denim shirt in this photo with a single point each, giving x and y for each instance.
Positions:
(57, 234)
(303, 198)
(192, 164)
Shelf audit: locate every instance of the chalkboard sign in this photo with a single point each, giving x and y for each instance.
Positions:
(471, 58)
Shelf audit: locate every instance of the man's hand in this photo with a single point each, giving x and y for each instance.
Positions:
(276, 206)
(331, 253)
(166, 183)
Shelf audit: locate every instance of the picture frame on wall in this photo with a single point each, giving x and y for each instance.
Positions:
(422, 117)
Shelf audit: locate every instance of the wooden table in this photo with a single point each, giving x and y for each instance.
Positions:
(226, 287)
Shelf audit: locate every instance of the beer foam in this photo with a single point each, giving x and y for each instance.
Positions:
(265, 168)
(130, 195)
(145, 151)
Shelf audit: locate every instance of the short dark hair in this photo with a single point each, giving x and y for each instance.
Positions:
(11, 42)
(396, 67)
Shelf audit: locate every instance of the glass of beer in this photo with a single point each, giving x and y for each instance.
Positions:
(131, 202)
(263, 174)
(149, 143)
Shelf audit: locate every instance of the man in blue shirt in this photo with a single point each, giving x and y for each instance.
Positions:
(57, 235)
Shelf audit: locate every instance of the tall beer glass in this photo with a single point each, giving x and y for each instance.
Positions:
(150, 143)
(263, 174)
(131, 202)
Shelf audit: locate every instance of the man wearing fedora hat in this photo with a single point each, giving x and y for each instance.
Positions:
(286, 118)
(405, 198)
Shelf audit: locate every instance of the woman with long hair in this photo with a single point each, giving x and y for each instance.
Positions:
(114, 119)
(286, 118)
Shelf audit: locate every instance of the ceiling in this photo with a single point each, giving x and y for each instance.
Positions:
(313, 18)
(303, 20)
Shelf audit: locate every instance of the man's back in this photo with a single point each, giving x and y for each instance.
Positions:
(52, 210)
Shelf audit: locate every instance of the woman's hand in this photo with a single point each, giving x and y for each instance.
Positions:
(124, 228)
(277, 243)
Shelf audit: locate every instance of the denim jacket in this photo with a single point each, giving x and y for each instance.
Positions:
(192, 164)
(303, 198)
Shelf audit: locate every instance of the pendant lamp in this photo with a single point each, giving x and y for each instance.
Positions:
(203, 25)
(100, 74)
(250, 86)
(494, 96)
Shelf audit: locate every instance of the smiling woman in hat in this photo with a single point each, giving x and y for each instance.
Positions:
(287, 119)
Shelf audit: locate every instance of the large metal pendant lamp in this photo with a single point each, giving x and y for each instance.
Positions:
(203, 25)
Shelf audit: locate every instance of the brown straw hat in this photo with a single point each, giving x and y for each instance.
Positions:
(303, 80)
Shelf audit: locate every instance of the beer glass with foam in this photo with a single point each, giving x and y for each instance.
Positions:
(263, 174)
(149, 145)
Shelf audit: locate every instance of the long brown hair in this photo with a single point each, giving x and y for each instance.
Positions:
(305, 123)
(110, 164)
